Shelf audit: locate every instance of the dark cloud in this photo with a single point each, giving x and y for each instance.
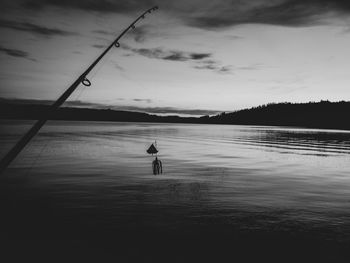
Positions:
(140, 33)
(200, 60)
(102, 32)
(117, 66)
(213, 65)
(280, 12)
(199, 56)
(218, 67)
(172, 110)
(143, 100)
(98, 46)
(225, 69)
(234, 37)
(249, 67)
(108, 6)
(15, 53)
(216, 13)
(33, 28)
(207, 64)
(143, 32)
(173, 55)
(147, 52)
(177, 56)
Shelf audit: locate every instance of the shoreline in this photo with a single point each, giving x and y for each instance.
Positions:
(188, 123)
(313, 115)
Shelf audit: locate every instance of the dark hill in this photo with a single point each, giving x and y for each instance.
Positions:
(324, 114)
(10, 110)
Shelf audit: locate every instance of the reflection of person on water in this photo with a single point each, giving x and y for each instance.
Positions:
(157, 166)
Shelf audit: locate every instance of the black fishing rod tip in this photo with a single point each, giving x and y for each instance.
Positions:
(153, 9)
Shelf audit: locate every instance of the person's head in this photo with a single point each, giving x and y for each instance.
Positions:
(156, 158)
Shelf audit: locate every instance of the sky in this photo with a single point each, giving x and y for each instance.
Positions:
(190, 57)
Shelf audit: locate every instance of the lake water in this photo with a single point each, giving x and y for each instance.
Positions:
(85, 179)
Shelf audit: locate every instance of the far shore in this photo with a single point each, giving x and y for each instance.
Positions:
(317, 115)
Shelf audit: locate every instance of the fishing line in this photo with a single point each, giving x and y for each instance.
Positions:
(46, 144)
(82, 79)
(34, 162)
(80, 93)
(100, 65)
(91, 77)
(20, 158)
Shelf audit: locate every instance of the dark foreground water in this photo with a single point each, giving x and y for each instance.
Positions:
(84, 190)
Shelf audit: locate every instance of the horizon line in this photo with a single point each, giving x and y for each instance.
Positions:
(160, 111)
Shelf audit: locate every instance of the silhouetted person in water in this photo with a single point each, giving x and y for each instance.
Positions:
(157, 166)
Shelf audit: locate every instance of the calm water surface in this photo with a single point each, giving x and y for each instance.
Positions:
(248, 177)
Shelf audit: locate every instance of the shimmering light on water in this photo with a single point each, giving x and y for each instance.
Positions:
(280, 177)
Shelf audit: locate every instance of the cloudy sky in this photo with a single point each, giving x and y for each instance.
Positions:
(189, 57)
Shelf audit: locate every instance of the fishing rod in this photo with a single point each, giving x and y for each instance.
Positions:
(11, 155)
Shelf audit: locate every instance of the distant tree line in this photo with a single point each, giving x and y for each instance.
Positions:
(37, 111)
(323, 114)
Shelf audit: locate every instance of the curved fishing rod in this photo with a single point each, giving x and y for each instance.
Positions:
(11, 155)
